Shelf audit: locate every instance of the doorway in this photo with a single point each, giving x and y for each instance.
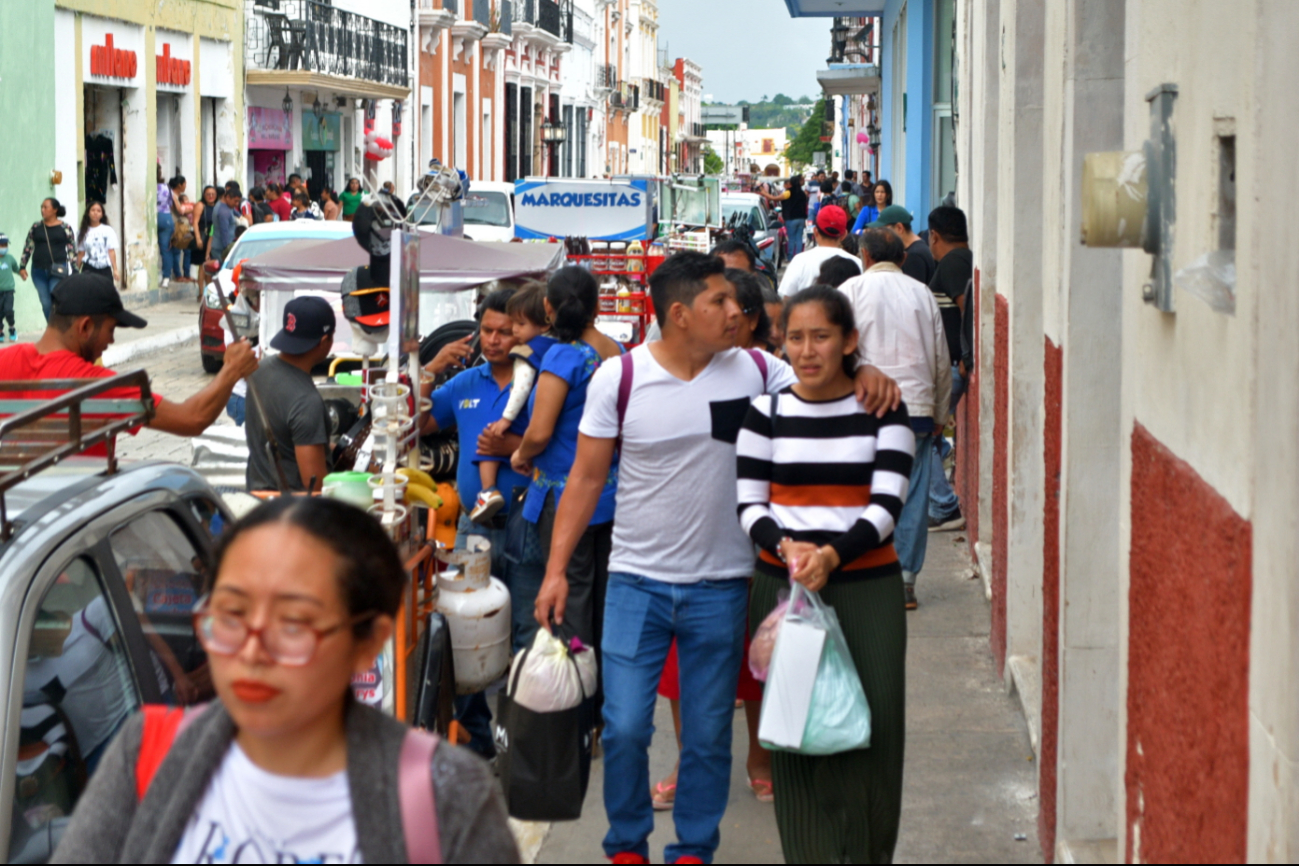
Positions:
(320, 171)
(103, 159)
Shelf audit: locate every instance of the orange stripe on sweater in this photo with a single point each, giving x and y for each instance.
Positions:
(823, 495)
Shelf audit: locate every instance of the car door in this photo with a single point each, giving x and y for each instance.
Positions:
(105, 627)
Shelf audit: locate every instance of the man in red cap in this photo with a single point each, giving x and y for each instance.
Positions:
(831, 228)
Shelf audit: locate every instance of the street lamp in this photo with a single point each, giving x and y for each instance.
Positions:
(318, 109)
(288, 102)
(554, 133)
(874, 132)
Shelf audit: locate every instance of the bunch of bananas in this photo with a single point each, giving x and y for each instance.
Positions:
(420, 489)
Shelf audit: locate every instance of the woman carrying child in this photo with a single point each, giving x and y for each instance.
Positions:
(821, 485)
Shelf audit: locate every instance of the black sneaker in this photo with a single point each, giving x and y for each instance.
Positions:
(949, 524)
(912, 604)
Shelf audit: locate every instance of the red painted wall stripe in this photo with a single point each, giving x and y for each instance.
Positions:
(1000, 477)
(1049, 738)
(1187, 776)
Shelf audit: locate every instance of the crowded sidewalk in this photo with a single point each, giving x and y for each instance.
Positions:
(969, 791)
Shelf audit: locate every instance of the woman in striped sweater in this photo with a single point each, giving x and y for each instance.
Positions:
(821, 486)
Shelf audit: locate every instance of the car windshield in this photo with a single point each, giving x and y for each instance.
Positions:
(744, 210)
(487, 209)
(250, 248)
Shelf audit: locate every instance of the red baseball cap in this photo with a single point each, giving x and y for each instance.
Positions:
(832, 220)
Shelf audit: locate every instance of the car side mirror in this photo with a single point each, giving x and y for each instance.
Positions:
(211, 268)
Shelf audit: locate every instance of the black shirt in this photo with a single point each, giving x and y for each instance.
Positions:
(919, 263)
(948, 284)
(55, 251)
(795, 207)
(297, 419)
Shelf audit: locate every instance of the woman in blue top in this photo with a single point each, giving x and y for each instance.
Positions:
(881, 197)
(550, 445)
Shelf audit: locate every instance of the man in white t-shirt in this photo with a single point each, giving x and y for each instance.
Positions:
(804, 268)
(680, 558)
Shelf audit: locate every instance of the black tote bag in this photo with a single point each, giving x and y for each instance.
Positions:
(544, 759)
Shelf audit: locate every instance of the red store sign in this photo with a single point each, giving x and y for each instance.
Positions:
(172, 70)
(110, 62)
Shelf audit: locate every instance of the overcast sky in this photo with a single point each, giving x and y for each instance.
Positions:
(748, 48)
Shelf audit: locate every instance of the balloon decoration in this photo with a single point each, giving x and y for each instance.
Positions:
(376, 148)
(863, 138)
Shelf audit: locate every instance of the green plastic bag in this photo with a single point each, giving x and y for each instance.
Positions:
(835, 717)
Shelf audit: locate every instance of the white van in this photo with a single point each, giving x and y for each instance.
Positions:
(488, 212)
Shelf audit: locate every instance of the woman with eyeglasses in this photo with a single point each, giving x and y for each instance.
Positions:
(286, 766)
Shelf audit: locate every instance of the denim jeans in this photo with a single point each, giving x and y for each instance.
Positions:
(168, 264)
(794, 228)
(911, 538)
(523, 578)
(237, 409)
(45, 283)
(943, 502)
(708, 620)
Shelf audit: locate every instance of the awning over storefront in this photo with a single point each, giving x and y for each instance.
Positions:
(835, 8)
(446, 264)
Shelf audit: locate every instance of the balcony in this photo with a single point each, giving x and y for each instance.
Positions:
(606, 77)
(310, 43)
(548, 16)
(654, 91)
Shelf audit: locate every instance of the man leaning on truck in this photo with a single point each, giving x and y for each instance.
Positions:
(86, 312)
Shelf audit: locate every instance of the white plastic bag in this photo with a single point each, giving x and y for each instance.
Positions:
(550, 675)
(814, 703)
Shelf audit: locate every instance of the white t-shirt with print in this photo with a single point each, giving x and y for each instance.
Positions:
(248, 815)
(805, 267)
(99, 240)
(677, 519)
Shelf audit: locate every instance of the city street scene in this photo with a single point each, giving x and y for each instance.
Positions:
(648, 431)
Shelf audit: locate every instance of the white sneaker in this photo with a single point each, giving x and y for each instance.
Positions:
(165, 283)
(489, 503)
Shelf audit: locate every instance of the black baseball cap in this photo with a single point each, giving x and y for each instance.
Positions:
(93, 295)
(307, 321)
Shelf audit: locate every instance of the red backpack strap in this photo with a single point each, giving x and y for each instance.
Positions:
(419, 816)
(161, 725)
(761, 360)
(624, 388)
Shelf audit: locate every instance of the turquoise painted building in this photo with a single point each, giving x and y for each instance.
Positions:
(27, 146)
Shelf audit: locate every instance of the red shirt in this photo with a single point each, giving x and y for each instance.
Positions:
(23, 362)
(283, 208)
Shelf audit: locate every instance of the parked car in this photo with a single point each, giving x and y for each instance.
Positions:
(488, 212)
(262, 238)
(766, 228)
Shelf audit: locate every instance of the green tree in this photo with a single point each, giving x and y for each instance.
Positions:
(781, 99)
(808, 141)
(712, 162)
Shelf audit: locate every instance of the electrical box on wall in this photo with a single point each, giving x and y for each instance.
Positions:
(1128, 197)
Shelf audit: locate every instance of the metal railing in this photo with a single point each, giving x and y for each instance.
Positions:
(315, 36)
(606, 77)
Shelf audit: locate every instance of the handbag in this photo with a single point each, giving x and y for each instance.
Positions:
(544, 758)
(57, 269)
(182, 237)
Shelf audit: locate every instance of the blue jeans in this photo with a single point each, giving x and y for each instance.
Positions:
(943, 502)
(523, 578)
(708, 620)
(236, 408)
(794, 228)
(45, 283)
(169, 265)
(911, 538)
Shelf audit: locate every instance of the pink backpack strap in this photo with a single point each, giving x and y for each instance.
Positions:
(419, 817)
(761, 360)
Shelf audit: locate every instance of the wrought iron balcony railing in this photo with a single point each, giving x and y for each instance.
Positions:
(552, 16)
(606, 77)
(314, 36)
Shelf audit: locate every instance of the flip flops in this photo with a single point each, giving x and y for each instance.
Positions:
(762, 790)
(664, 796)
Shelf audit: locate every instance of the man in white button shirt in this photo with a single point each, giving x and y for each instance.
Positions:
(831, 228)
(901, 332)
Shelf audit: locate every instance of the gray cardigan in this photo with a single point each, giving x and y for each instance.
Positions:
(110, 826)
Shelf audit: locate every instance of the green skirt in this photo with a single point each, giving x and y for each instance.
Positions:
(845, 808)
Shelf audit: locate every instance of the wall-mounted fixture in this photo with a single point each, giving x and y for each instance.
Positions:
(1128, 198)
(288, 102)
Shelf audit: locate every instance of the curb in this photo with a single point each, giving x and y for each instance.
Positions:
(116, 356)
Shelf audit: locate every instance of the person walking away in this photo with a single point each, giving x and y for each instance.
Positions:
(8, 267)
(51, 247)
(549, 445)
(680, 560)
(182, 232)
(351, 198)
(286, 766)
(950, 284)
(852, 201)
(837, 271)
(754, 333)
(295, 410)
(881, 197)
(827, 197)
(470, 403)
(223, 225)
(527, 310)
(97, 244)
(902, 334)
(919, 263)
(87, 311)
(166, 225)
(204, 211)
(831, 227)
(262, 212)
(331, 207)
(793, 209)
(826, 513)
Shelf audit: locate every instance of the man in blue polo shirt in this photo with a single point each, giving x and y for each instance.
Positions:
(469, 403)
